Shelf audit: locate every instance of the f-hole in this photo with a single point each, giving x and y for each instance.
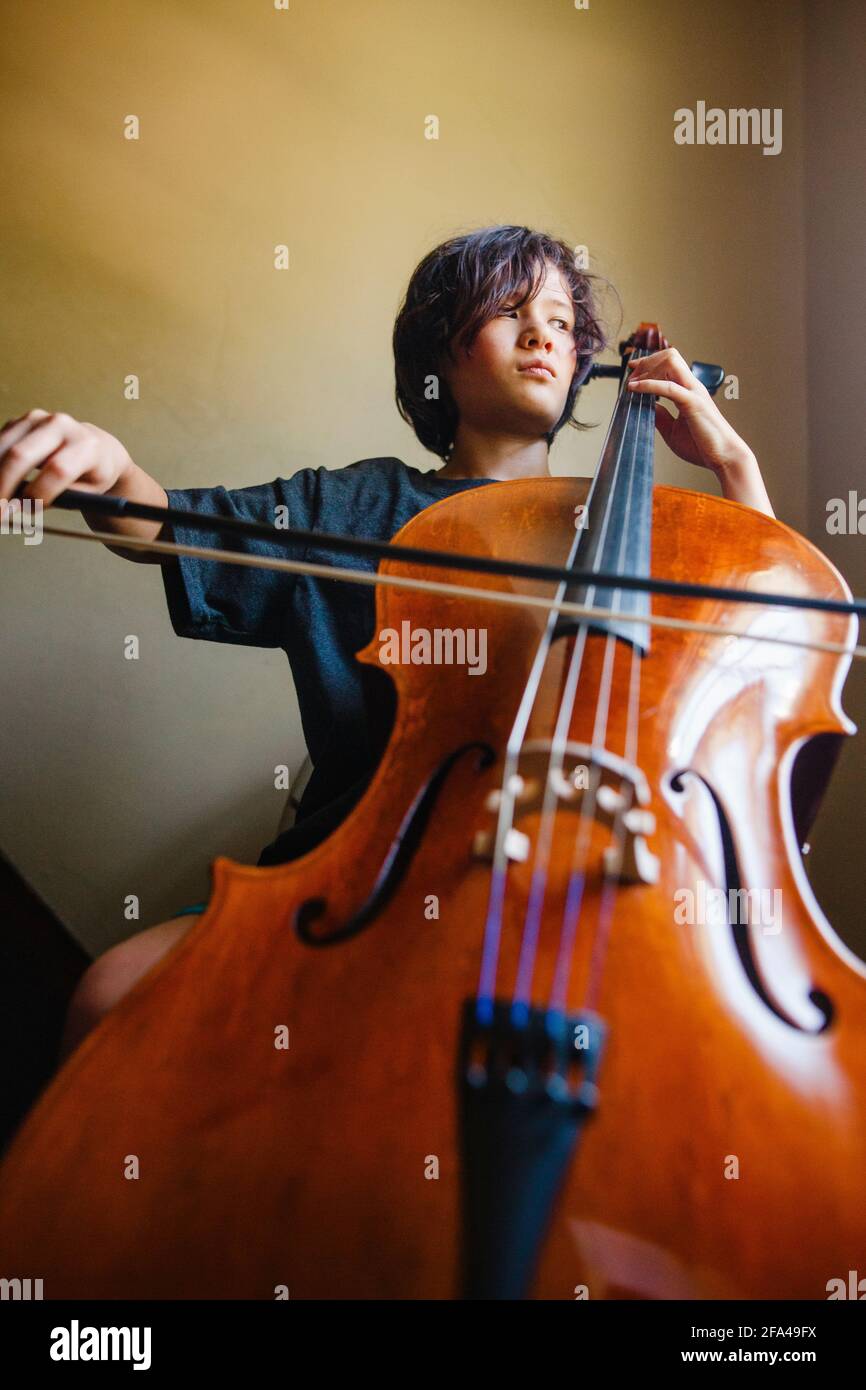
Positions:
(308, 923)
(740, 930)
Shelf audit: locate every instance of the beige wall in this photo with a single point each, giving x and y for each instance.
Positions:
(155, 257)
(835, 220)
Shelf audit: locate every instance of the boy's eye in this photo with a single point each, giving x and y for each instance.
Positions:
(565, 324)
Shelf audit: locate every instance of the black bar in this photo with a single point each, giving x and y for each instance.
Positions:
(221, 1339)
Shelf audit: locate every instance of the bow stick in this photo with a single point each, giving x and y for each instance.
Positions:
(74, 499)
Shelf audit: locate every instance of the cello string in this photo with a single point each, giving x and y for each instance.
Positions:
(532, 919)
(586, 816)
(611, 870)
(547, 820)
(544, 839)
(507, 796)
(574, 897)
(610, 875)
(507, 791)
(350, 576)
(492, 927)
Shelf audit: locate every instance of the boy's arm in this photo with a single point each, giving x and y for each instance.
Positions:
(137, 486)
(72, 453)
(741, 481)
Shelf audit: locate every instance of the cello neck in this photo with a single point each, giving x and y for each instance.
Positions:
(617, 523)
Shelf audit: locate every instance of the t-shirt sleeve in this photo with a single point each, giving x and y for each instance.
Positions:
(242, 604)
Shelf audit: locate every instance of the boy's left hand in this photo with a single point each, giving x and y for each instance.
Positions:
(700, 434)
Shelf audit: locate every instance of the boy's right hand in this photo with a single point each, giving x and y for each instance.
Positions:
(67, 452)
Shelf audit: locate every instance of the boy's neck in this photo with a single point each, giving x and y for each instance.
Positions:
(502, 457)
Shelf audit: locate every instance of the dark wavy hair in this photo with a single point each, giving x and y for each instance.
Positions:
(453, 292)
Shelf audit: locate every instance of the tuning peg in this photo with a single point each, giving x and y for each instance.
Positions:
(709, 375)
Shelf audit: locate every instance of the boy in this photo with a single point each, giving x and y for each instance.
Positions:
(496, 333)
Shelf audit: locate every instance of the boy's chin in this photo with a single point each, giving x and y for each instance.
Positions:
(538, 424)
(543, 410)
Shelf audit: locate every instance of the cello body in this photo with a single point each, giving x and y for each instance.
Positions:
(261, 1113)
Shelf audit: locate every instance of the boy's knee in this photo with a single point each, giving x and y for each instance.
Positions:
(93, 996)
(113, 974)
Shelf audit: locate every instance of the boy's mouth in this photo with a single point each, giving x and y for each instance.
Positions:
(538, 367)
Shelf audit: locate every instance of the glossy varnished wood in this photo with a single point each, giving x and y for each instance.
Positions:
(307, 1167)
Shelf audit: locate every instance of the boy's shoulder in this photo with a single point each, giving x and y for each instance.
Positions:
(363, 468)
(378, 468)
(371, 477)
(373, 495)
(356, 474)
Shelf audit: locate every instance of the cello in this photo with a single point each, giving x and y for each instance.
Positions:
(485, 1041)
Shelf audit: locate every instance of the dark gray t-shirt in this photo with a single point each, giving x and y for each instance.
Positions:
(347, 707)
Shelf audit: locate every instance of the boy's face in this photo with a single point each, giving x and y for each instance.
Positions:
(491, 386)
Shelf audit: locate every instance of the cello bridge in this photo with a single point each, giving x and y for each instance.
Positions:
(588, 781)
